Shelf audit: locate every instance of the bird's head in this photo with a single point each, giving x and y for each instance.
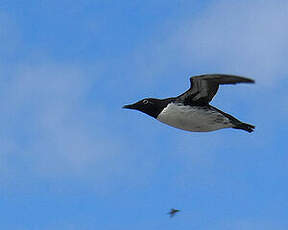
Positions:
(150, 106)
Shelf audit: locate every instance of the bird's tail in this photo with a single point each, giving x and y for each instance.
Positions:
(244, 126)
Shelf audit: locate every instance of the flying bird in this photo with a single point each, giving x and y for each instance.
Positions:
(173, 212)
(191, 110)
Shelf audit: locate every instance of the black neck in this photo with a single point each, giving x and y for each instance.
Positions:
(158, 105)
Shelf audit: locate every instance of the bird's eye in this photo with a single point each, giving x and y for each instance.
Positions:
(145, 102)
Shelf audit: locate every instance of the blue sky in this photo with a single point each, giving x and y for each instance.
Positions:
(72, 159)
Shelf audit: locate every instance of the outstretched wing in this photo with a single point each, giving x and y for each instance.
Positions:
(204, 87)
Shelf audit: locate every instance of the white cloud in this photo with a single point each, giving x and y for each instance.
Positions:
(239, 37)
(246, 37)
(50, 129)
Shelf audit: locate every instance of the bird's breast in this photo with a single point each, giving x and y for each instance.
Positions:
(193, 118)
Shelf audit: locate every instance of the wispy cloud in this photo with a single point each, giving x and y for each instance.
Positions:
(240, 37)
(49, 128)
(243, 37)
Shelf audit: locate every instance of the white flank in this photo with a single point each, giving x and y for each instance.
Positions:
(193, 118)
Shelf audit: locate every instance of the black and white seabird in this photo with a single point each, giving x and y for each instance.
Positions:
(172, 212)
(191, 110)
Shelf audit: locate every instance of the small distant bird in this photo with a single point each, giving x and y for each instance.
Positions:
(173, 212)
(191, 110)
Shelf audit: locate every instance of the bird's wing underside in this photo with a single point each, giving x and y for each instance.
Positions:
(204, 87)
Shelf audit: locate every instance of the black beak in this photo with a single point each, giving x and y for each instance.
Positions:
(128, 106)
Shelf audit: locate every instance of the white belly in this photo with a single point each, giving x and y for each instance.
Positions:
(193, 118)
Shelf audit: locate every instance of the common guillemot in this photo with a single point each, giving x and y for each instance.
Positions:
(172, 212)
(191, 110)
